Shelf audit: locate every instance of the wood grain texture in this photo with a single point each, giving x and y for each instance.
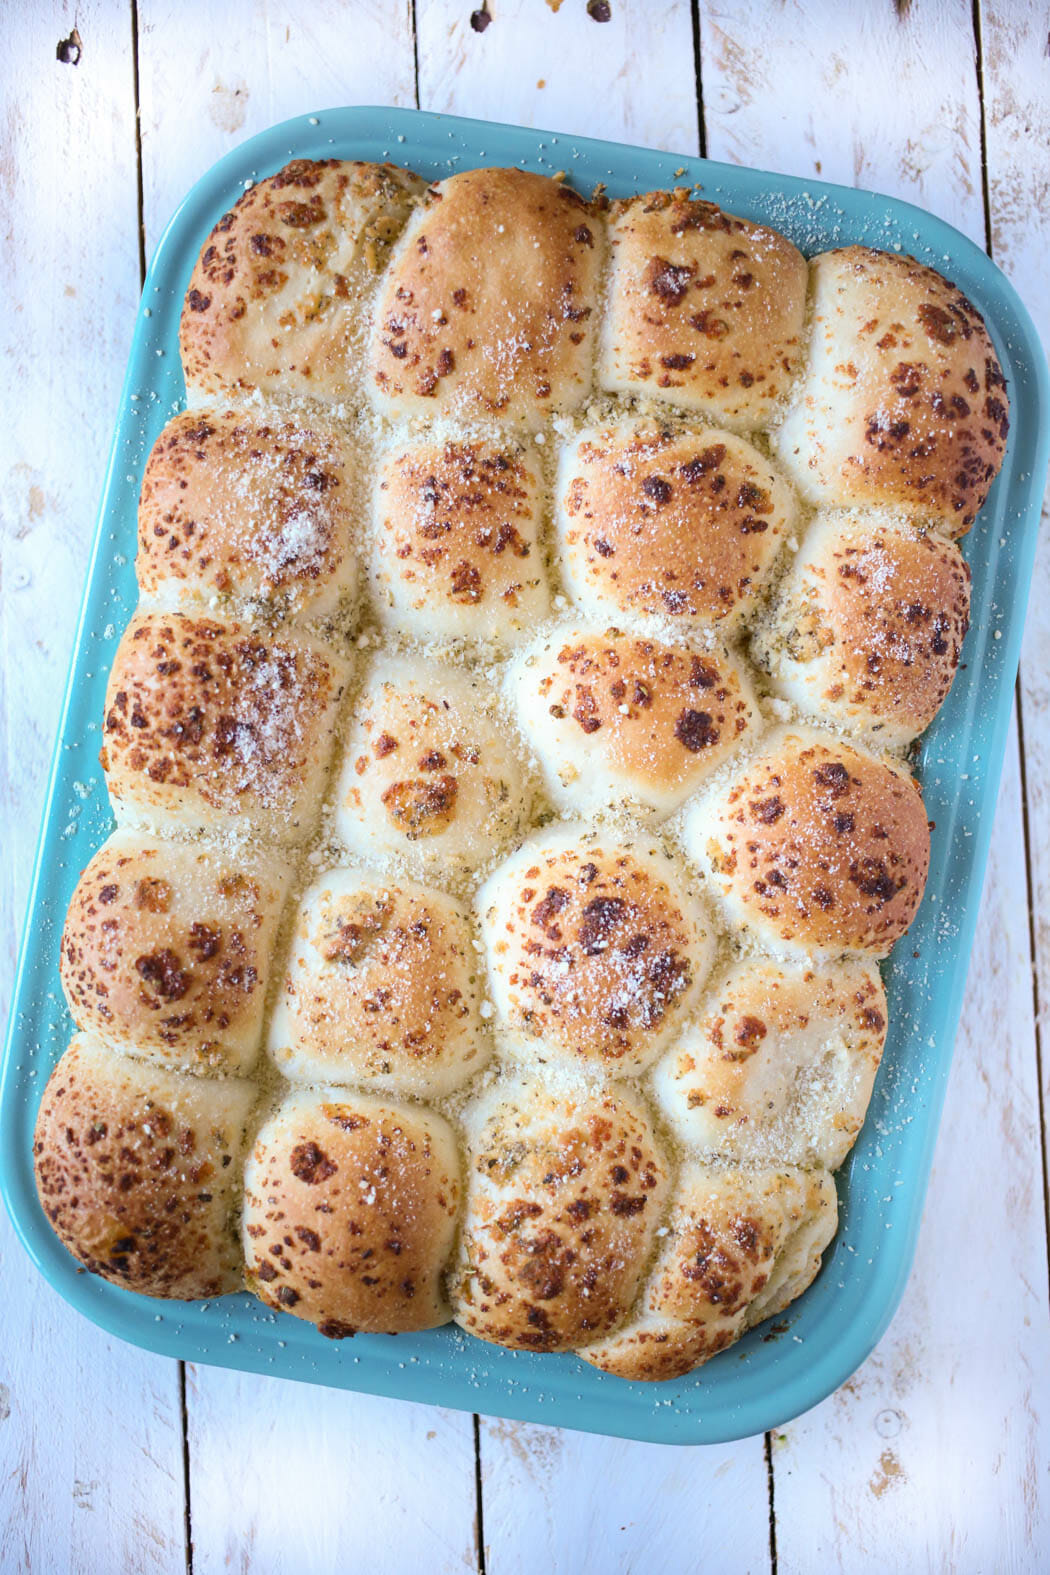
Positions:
(630, 79)
(935, 1454)
(875, 95)
(70, 309)
(932, 1448)
(570, 1501)
(91, 1440)
(90, 1429)
(210, 76)
(288, 1478)
(1016, 50)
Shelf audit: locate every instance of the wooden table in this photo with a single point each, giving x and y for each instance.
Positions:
(935, 1455)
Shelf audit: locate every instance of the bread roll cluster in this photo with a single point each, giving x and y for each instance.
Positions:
(537, 600)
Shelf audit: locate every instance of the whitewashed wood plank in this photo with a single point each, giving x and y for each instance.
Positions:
(879, 96)
(90, 1440)
(90, 1430)
(935, 1454)
(67, 171)
(287, 1477)
(630, 79)
(866, 97)
(1016, 48)
(555, 1499)
(212, 75)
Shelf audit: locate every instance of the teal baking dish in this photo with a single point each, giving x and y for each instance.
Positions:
(768, 1378)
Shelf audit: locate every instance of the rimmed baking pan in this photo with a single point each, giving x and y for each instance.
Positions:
(763, 1381)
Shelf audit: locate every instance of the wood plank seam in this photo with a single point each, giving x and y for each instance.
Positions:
(978, 49)
(479, 1489)
(138, 140)
(1030, 891)
(702, 132)
(479, 1506)
(187, 1518)
(771, 1489)
(701, 125)
(1033, 948)
(187, 1515)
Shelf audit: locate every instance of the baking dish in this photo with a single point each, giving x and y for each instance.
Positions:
(775, 1373)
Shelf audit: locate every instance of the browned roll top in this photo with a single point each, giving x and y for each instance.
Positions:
(485, 936)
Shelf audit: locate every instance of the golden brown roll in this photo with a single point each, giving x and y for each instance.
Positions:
(672, 524)
(705, 310)
(815, 848)
(565, 1190)
(617, 717)
(596, 949)
(868, 625)
(487, 309)
(235, 507)
(276, 299)
(778, 1066)
(139, 1171)
(382, 988)
(212, 725)
(602, 899)
(430, 777)
(903, 403)
(166, 950)
(350, 1207)
(740, 1245)
(457, 554)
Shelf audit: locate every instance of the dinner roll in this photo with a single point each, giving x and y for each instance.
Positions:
(350, 1207)
(903, 402)
(456, 551)
(487, 308)
(382, 988)
(139, 1171)
(241, 508)
(608, 752)
(868, 625)
(740, 1246)
(216, 725)
(596, 948)
(166, 950)
(615, 717)
(276, 299)
(705, 310)
(565, 1190)
(679, 525)
(430, 777)
(779, 1065)
(815, 848)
